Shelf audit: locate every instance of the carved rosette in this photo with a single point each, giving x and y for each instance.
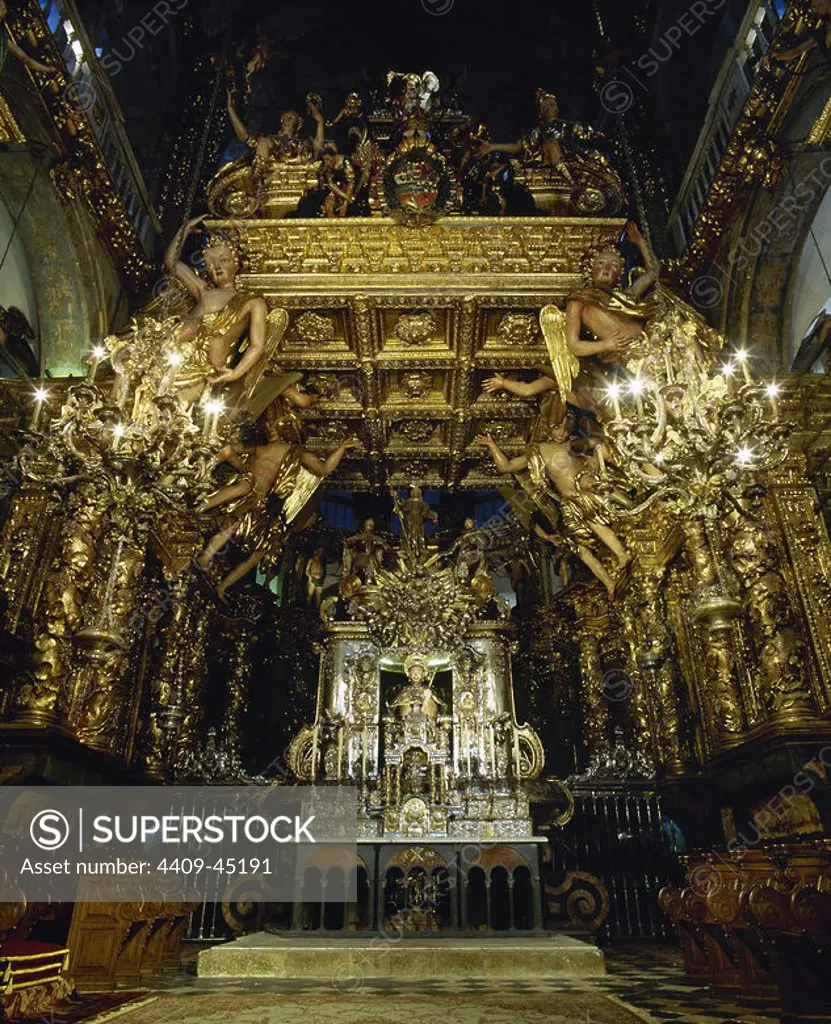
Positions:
(519, 330)
(416, 384)
(329, 430)
(416, 431)
(416, 328)
(313, 328)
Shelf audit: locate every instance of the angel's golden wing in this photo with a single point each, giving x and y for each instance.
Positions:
(565, 364)
(277, 323)
(305, 485)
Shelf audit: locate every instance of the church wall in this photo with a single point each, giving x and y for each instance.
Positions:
(810, 287)
(73, 285)
(15, 277)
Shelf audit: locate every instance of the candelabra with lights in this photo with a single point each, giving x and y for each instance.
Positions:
(121, 461)
(694, 440)
(694, 445)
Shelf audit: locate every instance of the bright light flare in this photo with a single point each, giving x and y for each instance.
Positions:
(41, 394)
(744, 456)
(99, 352)
(772, 390)
(214, 406)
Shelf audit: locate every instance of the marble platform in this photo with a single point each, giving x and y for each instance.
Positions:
(271, 956)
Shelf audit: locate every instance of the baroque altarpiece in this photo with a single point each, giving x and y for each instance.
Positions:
(439, 314)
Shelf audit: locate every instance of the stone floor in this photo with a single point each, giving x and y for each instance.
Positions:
(647, 976)
(650, 977)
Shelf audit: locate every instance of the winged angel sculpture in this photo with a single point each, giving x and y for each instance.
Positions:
(199, 332)
(609, 341)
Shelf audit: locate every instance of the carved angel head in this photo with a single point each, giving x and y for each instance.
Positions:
(606, 267)
(221, 263)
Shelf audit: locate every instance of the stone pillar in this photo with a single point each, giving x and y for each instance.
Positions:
(26, 543)
(715, 611)
(654, 698)
(172, 641)
(796, 507)
(596, 709)
(96, 701)
(60, 608)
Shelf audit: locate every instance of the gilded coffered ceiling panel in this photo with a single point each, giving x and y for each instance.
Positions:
(318, 331)
(418, 435)
(413, 332)
(396, 329)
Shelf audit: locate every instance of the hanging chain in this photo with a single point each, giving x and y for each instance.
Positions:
(203, 145)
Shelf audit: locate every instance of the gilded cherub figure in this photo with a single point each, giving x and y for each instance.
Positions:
(276, 468)
(207, 341)
(9, 45)
(287, 144)
(363, 553)
(614, 318)
(549, 471)
(315, 577)
(643, 329)
(413, 513)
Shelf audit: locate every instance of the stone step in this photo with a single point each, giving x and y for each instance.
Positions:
(262, 955)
